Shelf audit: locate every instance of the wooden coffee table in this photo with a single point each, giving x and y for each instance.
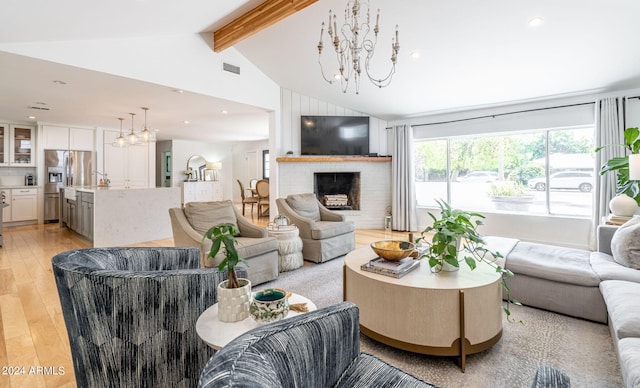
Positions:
(444, 314)
(217, 333)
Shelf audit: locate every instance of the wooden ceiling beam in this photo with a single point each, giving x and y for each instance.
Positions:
(259, 18)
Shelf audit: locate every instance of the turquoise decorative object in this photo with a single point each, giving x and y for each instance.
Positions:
(269, 305)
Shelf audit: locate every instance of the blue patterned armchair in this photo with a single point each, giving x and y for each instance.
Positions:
(131, 312)
(317, 349)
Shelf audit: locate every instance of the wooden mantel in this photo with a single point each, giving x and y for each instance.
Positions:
(316, 159)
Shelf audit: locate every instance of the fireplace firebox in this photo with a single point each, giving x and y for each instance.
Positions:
(338, 190)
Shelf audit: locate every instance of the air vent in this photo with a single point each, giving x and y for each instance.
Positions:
(231, 68)
(39, 107)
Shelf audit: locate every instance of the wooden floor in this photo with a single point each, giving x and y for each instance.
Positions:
(34, 347)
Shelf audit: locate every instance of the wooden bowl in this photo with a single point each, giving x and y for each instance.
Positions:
(393, 249)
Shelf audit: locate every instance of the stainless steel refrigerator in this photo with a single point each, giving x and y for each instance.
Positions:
(63, 168)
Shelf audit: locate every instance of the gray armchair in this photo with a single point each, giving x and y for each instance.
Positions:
(317, 349)
(260, 251)
(325, 234)
(130, 314)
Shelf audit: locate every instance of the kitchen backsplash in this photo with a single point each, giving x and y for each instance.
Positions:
(15, 176)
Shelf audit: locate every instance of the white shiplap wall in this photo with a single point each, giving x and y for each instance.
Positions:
(293, 178)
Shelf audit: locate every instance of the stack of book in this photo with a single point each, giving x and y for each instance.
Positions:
(396, 269)
(616, 220)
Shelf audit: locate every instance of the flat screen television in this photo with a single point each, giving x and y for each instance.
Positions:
(334, 135)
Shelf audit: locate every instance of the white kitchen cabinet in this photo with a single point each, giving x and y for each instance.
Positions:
(126, 166)
(201, 191)
(6, 212)
(4, 144)
(63, 138)
(22, 145)
(24, 205)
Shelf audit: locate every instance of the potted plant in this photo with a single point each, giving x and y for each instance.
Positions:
(456, 234)
(234, 294)
(620, 165)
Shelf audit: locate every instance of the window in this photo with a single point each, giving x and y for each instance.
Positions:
(508, 172)
(265, 164)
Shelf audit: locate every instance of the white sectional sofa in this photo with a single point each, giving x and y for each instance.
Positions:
(602, 286)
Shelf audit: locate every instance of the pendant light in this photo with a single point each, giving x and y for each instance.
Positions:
(146, 134)
(120, 140)
(132, 138)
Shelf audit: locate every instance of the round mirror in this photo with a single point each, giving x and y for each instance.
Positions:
(197, 164)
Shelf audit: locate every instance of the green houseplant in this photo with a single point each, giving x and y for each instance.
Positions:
(456, 234)
(234, 294)
(620, 164)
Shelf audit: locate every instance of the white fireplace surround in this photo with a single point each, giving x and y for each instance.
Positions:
(375, 186)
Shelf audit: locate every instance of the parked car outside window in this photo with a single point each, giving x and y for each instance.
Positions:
(581, 180)
(479, 176)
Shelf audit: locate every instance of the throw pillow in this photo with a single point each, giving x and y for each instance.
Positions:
(203, 215)
(625, 244)
(306, 205)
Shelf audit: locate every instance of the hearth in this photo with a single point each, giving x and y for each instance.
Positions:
(338, 190)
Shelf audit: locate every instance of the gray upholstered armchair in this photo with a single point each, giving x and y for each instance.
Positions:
(325, 234)
(130, 314)
(260, 251)
(317, 349)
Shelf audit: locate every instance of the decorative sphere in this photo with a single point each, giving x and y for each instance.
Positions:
(623, 206)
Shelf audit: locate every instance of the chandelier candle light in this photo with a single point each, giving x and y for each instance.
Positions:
(356, 39)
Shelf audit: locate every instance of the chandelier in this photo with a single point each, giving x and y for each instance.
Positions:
(135, 138)
(354, 39)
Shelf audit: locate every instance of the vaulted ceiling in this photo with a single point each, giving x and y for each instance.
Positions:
(471, 54)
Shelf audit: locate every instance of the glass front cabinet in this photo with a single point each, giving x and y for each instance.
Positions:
(17, 145)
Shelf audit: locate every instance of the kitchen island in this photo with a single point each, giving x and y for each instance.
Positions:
(117, 216)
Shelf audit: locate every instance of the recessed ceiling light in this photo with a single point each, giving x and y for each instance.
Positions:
(57, 81)
(186, 122)
(535, 22)
(224, 111)
(415, 54)
(32, 117)
(179, 91)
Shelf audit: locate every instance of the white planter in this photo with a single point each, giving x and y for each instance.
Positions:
(233, 303)
(622, 205)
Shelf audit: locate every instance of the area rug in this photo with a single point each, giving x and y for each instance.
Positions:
(582, 349)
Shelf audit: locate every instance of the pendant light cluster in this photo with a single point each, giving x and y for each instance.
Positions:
(135, 138)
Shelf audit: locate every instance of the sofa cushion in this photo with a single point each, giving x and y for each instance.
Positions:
(369, 371)
(623, 305)
(564, 265)
(327, 229)
(625, 244)
(608, 269)
(306, 205)
(203, 215)
(629, 356)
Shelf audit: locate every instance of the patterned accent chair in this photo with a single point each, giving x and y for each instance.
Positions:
(130, 314)
(317, 349)
(325, 234)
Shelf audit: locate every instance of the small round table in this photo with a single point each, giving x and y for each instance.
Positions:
(217, 333)
(289, 247)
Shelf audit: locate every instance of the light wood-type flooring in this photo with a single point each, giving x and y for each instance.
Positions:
(34, 347)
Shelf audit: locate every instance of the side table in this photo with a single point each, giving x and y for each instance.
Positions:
(217, 333)
(289, 247)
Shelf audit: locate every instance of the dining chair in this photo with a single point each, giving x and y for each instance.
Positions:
(262, 188)
(246, 200)
(252, 187)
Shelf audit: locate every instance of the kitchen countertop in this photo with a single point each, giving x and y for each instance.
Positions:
(93, 189)
(19, 187)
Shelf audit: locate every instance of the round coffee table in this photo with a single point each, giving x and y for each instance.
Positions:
(217, 334)
(444, 314)
(289, 247)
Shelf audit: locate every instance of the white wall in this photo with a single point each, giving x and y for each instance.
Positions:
(182, 150)
(240, 170)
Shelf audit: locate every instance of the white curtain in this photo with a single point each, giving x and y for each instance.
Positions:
(403, 202)
(609, 130)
